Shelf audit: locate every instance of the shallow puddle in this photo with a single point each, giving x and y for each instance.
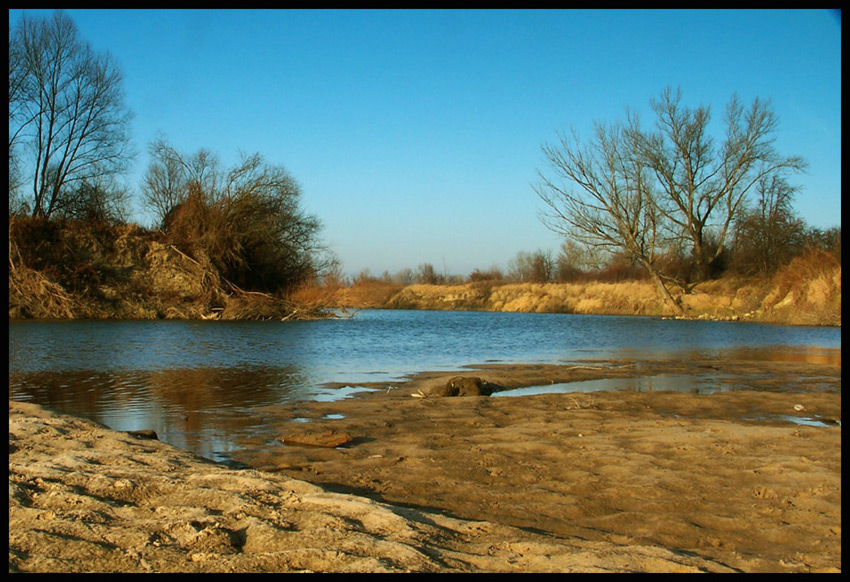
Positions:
(692, 383)
(808, 421)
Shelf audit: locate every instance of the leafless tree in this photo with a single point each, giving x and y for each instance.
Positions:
(171, 175)
(654, 193)
(536, 267)
(98, 200)
(427, 274)
(768, 234)
(703, 190)
(68, 123)
(614, 206)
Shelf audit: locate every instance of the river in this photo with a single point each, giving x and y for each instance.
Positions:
(200, 384)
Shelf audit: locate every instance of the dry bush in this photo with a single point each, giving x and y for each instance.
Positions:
(493, 274)
(313, 296)
(31, 293)
(246, 219)
(244, 305)
(58, 268)
(618, 273)
(810, 265)
(196, 227)
(72, 253)
(36, 241)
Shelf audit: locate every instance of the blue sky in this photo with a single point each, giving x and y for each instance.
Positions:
(415, 135)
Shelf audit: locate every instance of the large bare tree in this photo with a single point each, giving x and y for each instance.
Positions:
(602, 196)
(654, 193)
(68, 123)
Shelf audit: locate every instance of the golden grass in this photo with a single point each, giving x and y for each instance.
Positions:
(806, 295)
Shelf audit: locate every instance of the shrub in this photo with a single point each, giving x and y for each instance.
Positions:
(246, 220)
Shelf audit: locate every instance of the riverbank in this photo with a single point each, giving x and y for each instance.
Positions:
(83, 498)
(746, 480)
(802, 294)
(83, 271)
(77, 270)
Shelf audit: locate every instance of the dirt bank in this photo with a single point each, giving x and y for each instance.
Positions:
(809, 296)
(66, 270)
(614, 481)
(77, 270)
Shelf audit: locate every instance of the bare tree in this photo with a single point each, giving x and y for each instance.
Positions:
(171, 175)
(768, 234)
(98, 200)
(68, 123)
(425, 273)
(703, 189)
(536, 267)
(655, 193)
(614, 206)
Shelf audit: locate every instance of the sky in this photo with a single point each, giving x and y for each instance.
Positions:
(416, 135)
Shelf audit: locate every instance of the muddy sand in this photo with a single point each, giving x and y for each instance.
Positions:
(745, 480)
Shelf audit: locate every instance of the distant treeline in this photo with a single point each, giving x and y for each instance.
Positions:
(753, 253)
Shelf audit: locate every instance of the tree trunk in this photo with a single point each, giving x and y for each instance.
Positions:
(664, 292)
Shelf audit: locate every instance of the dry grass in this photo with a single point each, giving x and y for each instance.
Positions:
(807, 292)
(33, 295)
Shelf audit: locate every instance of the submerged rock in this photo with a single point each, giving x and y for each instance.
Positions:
(464, 386)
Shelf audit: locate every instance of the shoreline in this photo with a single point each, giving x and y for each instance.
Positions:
(583, 482)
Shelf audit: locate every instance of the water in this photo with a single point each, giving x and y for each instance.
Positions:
(694, 383)
(201, 385)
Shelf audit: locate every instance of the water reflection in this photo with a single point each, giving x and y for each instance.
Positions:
(203, 410)
(802, 354)
(799, 354)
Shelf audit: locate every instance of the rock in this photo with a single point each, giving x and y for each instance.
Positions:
(329, 439)
(464, 386)
(144, 434)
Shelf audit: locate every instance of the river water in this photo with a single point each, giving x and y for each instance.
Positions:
(201, 384)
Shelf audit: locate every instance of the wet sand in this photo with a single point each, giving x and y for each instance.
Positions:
(743, 480)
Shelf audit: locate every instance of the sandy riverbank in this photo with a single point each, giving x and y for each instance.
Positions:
(613, 481)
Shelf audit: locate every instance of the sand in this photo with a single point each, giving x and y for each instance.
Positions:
(619, 481)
